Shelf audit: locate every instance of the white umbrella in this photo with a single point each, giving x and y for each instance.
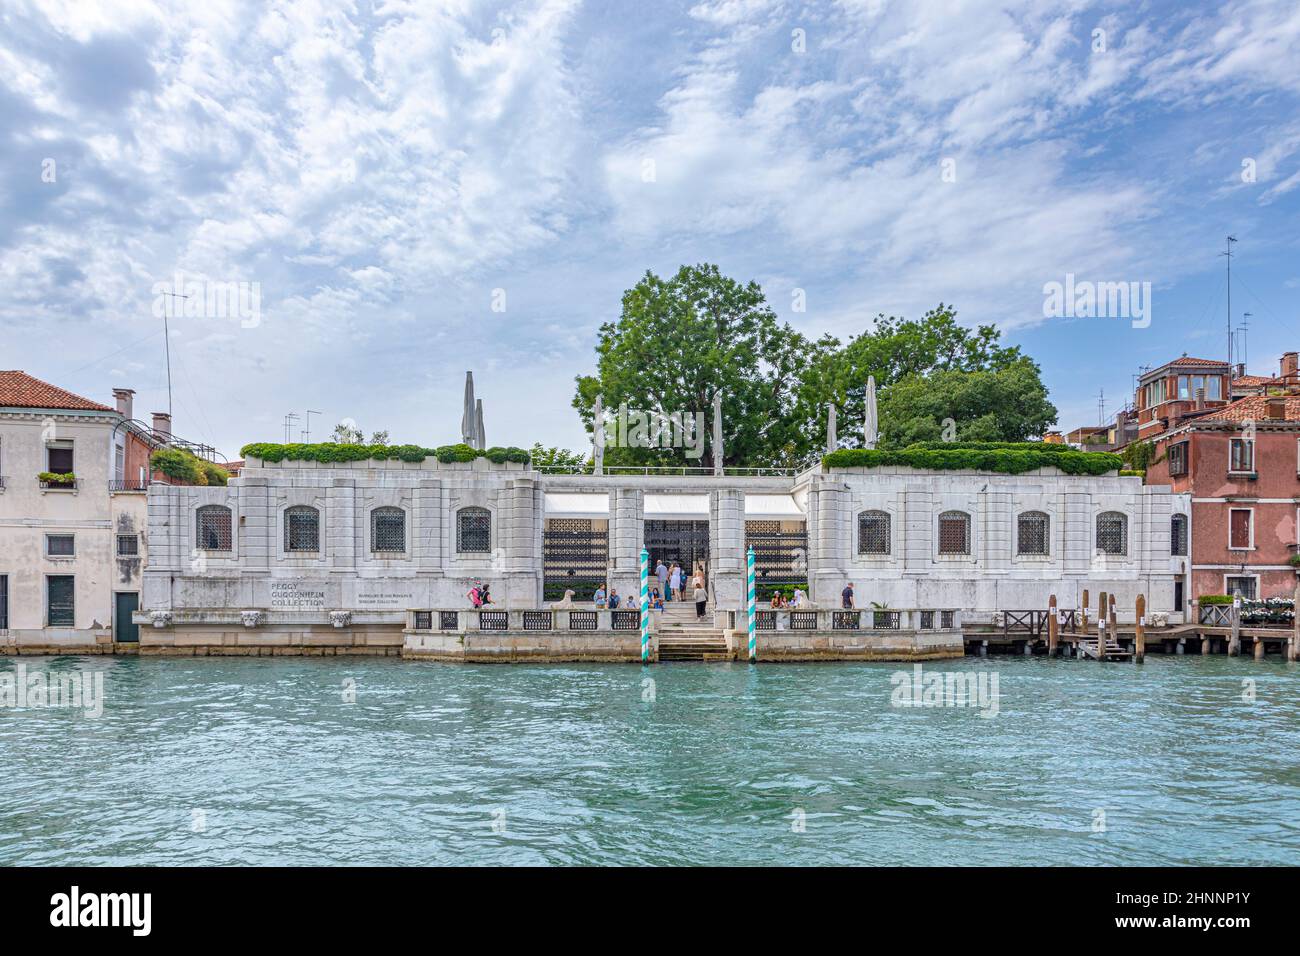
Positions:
(831, 440)
(871, 426)
(479, 435)
(468, 426)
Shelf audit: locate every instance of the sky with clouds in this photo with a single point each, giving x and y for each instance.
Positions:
(422, 188)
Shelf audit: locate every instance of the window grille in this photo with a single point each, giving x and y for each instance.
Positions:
(625, 620)
(1112, 533)
(388, 530)
(473, 531)
(846, 620)
(954, 533)
(214, 528)
(128, 546)
(424, 620)
(873, 532)
(803, 620)
(1031, 533)
(449, 620)
(885, 620)
(302, 529)
(927, 620)
(60, 545)
(948, 619)
(1178, 535)
(765, 621)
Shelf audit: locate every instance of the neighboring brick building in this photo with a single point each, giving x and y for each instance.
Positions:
(1241, 464)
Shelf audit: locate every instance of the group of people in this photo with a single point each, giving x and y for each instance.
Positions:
(671, 579)
(779, 600)
(479, 595)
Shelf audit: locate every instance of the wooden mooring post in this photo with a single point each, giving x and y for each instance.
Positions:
(1101, 625)
(1053, 627)
(1140, 630)
(1294, 652)
(1234, 638)
(1083, 623)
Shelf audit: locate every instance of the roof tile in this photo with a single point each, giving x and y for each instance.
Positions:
(20, 390)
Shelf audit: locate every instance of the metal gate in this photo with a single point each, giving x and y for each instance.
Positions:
(683, 542)
(575, 556)
(780, 558)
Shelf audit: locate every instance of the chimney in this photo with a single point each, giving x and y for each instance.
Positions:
(162, 426)
(1290, 363)
(1200, 399)
(1240, 370)
(1277, 408)
(125, 401)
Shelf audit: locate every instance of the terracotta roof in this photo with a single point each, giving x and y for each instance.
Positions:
(20, 390)
(1252, 380)
(1254, 408)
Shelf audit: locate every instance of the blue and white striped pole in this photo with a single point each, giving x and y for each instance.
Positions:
(753, 607)
(645, 605)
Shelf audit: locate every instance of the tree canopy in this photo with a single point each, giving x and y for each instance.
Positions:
(681, 339)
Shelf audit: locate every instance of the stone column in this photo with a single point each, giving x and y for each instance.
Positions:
(917, 520)
(828, 539)
(626, 533)
(999, 522)
(523, 562)
(726, 548)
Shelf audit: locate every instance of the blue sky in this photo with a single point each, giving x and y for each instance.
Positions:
(381, 170)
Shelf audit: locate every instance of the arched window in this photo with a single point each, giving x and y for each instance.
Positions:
(301, 528)
(954, 532)
(1178, 535)
(1031, 533)
(1112, 533)
(473, 531)
(388, 529)
(873, 532)
(214, 528)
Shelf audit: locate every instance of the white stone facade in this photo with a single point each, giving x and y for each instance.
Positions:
(345, 584)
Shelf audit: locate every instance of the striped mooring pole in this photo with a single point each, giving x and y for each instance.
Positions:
(645, 605)
(753, 607)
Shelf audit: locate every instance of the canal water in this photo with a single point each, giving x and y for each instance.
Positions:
(355, 761)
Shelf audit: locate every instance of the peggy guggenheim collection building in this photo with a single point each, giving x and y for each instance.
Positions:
(303, 555)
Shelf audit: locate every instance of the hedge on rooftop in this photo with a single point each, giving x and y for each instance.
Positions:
(1008, 458)
(182, 466)
(336, 452)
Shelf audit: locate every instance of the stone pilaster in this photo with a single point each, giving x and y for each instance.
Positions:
(627, 532)
(341, 525)
(828, 539)
(917, 527)
(427, 525)
(997, 514)
(727, 569)
(256, 531)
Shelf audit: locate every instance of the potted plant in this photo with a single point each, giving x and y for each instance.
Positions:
(52, 479)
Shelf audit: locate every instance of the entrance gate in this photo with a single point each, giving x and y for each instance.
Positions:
(780, 558)
(685, 542)
(575, 556)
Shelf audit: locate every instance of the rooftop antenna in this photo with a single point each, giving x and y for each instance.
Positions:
(1101, 407)
(1244, 328)
(306, 432)
(167, 343)
(1228, 253)
(288, 426)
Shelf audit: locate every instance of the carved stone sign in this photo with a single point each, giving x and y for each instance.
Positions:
(297, 594)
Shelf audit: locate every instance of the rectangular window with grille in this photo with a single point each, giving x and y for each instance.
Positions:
(4, 602)
(302, 529)
(60, 546)
(128, 546)
(1178, 535)
(474, 531)
(1112, 533)
(1031, 533)
(1241, 585)
(1239, 528)
(60, 600)
(954, 534)
(873, 532)
(388, 530)
(214, 528)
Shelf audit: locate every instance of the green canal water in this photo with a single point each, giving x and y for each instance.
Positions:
(236, 761)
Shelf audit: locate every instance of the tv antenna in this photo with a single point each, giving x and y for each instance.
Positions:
(1101, 406)
(167, 344)
(1228, 253)
(1243, 330)
(288, 426)
(306, 432)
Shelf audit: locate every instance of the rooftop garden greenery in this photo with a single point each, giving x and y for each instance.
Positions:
(340, 452)
(1007, 458)
(188, 469)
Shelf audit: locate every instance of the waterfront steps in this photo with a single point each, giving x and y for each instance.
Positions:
(685, 637)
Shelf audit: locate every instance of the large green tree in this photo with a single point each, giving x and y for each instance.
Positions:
(678, 341)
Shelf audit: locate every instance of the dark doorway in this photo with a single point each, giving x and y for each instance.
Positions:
(124, 629)
(1178, 595)
(685, 542)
